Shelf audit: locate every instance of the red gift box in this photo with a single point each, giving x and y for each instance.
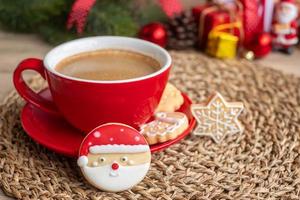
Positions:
(208, 16)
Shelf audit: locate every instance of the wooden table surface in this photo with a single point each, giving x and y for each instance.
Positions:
(15, 47)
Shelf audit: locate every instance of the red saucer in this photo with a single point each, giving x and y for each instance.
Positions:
(58, 135)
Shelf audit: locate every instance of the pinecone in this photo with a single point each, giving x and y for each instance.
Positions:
(182, 31)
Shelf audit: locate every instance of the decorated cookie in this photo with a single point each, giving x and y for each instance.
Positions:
(217, 118)
(114, 157)
(171, 99)
(166, 126)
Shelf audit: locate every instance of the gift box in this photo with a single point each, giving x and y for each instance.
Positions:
(222, 44)
(208, 16)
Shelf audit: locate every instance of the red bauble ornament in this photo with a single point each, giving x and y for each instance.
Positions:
(264, 39)
(262, 45)
(154, 32)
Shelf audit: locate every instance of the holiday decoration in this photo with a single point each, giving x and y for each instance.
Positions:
(182, 31)
(86, 17)
(171, 7)
(171, 99)
(114, 157)
(284, 29)
(79, 13)
(217, 118)
(226, 3)
(268, 9)
(221, 44)
(261, 45)
(81, 9)
(154, 32)
(209, 16)
(166, 126)
(248, 55)
(252, 21)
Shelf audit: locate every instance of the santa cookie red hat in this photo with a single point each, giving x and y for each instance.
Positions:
(112, 138)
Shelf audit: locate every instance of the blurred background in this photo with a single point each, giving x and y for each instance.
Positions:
(263, 31)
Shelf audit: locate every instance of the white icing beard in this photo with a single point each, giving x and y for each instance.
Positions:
(104, 178)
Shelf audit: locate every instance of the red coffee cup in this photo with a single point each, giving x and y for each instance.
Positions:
(87, 104)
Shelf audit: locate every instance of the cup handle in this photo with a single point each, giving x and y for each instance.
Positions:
(28, 94)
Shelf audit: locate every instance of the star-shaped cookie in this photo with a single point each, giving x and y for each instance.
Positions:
(217, 118)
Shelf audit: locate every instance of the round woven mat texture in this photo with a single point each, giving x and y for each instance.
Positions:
(261, 163)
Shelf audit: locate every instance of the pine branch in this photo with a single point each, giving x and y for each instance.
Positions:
(48, 17)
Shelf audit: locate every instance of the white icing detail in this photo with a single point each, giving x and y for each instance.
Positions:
(97, 134)
(95, 164)
(157, 125)
(130, 162)
(89, 143)
(137, 138)
(122, 129)
(115, 148)
(82, 161)
(218, 118)
(128, 176)
(114, 173)
(168, 119)
(111, 139)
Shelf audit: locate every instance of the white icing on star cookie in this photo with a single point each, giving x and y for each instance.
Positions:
(217, 118)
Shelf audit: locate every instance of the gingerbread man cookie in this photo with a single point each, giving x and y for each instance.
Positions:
(171, 99)
(166, 126)
(114, 157)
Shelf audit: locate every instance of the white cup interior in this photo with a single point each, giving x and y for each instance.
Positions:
(107, 42)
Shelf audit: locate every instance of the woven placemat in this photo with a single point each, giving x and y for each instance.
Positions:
(261, 163)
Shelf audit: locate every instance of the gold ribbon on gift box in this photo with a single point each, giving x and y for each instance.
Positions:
(232, 17)
(223, 44)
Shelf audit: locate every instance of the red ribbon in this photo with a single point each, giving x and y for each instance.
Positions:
(171, 7)
(78, 14)
(81, 9)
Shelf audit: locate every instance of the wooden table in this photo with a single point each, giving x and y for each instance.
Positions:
(15, 47)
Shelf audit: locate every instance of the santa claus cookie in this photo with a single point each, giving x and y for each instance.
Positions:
(114, 157)
(166, 126)
(171, 99)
